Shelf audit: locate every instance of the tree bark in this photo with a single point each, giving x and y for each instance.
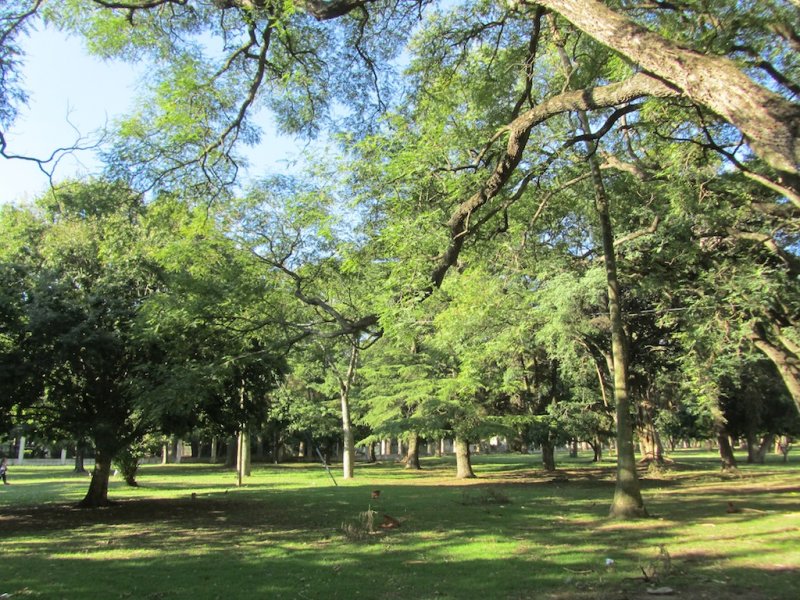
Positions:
(628, 502)
(348, 436)
(79, 454)
(726, 456)
(97, 495)
(769, 122)
(412, 455)
(548, 456)
(463, 462)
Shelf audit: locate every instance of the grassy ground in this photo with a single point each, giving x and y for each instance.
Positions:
(515, 532)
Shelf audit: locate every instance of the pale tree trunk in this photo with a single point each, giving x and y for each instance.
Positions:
(412, 455)
(628, 502)
(769, 121)
(214, 449)
(178, 451)
(348, 436)
(463, 462)
(761, 453)
(97, 495)
(242, 455)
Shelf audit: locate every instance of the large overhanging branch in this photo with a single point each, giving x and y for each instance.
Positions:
(519, 130)
(770, 123)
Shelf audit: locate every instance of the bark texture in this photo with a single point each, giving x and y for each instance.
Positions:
(97, 495)
(463, 460)
(770, 123)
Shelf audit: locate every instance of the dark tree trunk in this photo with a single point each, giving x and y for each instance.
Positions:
(573, 449)
(412, 455)
(231, 452)
(79, 454)
(463, 462)
(97, 495)
(548, 456)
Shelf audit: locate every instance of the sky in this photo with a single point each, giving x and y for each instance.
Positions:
(73, 94)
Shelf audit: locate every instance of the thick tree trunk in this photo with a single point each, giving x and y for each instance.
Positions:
(412, 455)
(548, 456)
(463, 462)
(97, 495)
(770, 122)
(728, 460)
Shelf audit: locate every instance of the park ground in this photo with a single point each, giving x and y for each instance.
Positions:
(514, 532)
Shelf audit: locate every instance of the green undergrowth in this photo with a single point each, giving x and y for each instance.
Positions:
(516, 531)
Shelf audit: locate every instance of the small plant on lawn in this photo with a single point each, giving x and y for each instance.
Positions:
(360, 529)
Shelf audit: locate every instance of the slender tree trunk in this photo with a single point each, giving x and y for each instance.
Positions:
(97, 495)
(214, 449)
(573, 448)
(412, 455)
(628, 502)
(463, 461)
(348, 436)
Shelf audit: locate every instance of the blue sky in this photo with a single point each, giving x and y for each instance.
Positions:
(67, 88)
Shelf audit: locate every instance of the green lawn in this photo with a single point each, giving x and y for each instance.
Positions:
(514, 532)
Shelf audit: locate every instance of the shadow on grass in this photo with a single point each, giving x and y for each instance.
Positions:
(502, 536)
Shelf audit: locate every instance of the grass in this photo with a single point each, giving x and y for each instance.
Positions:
(515, 532)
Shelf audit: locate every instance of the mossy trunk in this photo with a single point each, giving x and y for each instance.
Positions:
(463, 461)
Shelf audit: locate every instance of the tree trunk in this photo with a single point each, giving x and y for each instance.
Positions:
(726, 451)
(79, 454)
(463, 462)
(628, 502)
(231, 452)
(371, 458)
(769, 121)
(213, 449)
(97, 495)
(573, 448)
(348, 436)
(761, 453)
(412, 455)
(548, 456)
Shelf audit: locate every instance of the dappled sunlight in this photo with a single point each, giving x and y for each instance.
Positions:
(497, 536)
